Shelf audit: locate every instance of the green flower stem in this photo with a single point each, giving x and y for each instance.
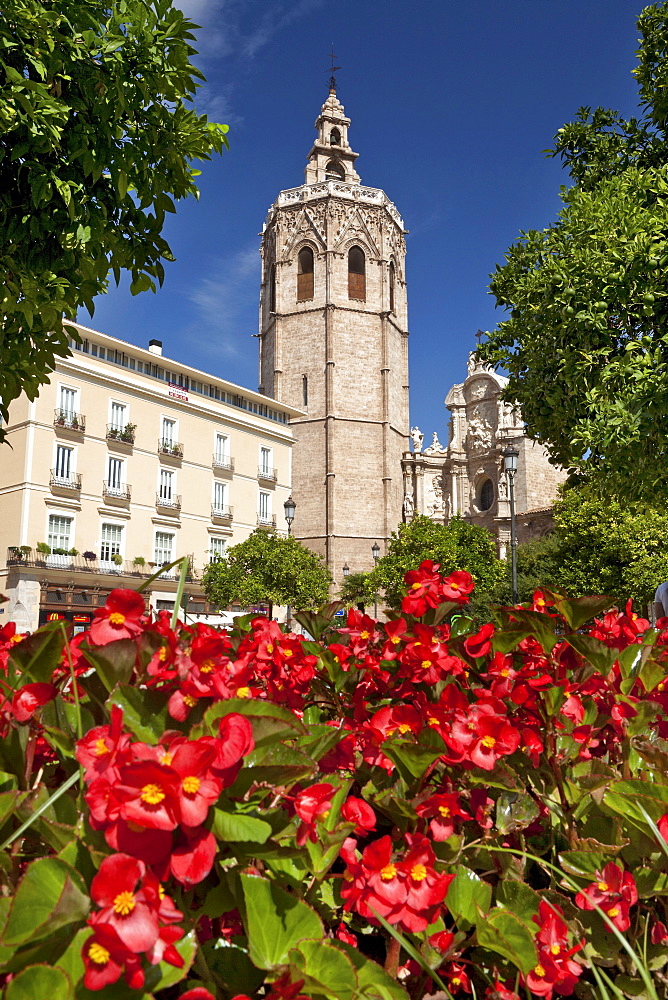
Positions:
(77, 704)
(72, 780)
(179, 592)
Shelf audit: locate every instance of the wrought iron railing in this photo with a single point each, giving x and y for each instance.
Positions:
(173, 502)
(223, 462)
(70, 421)
(72, 481)
(222, 512)
(172, 448)
(116, 491)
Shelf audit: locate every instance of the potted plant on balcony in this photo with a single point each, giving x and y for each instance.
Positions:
(128, 433)
(89, 556)
(117, 559)
(43, 549)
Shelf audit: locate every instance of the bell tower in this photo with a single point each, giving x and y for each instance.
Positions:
(334, 342)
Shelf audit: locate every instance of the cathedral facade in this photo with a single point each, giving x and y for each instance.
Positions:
(334, 343)
(466, 475)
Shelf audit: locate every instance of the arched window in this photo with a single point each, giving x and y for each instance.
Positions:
(305, 274)
(272, 288)
(356, 274)
(391, 286)
(335, 137)
(334, 171)
(305, 390)
(486, 495)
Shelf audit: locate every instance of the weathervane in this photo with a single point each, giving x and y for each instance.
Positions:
(332, 79)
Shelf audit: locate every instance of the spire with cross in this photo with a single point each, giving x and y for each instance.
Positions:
(333, 69)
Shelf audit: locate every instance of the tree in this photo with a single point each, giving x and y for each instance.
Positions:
(268, 568)
(96, 142)
(359, 589)
(585, 344)
(457, 545)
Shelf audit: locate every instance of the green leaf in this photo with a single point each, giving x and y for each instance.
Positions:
(506, 934)
(275, 922)
(277, 765)
(466, 890)
(581, 609)
(39, 981)
(144, 712)
(320, 740)
(373, 982)
(233, 966)
(39, 654)
(71, 961)
(239, 827)
(515, 811)
(271, 723)
(628, 798)
(48, 897)
(519, 898)
(412, 759)
(541, 626)
(114, 662)
(327, 972)
(593, 650)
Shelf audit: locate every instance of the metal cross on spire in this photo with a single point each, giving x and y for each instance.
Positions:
(479, 335)
(332, 79)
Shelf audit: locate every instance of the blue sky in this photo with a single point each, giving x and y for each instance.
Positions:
(452, 104)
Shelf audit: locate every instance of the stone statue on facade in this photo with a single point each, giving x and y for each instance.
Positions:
(479, 434)
(408, 507)
(418, 438)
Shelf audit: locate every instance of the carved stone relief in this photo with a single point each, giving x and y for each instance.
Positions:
(479, 435)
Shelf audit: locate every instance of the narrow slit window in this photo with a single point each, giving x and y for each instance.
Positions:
(392, 278)
(356, 274)
(305, 390)
(305, 274)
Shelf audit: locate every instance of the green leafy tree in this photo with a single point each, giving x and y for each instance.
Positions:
(457, 545)
(359, 589)
(97, 141)
(586, 341)
(270, 569)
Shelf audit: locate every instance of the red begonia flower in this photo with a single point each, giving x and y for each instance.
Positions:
(312, 805)
(149, 795)
(105, 959)
(123, 904)
(192, 859)
(29, 698)
(198, 789)
(359, 812)
(122, 617)
(481, 643)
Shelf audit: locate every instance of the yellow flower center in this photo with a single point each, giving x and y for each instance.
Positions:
(456, 981)
(418, 872)
(388, 872)
(416, 586)
(116, 618)
(505, 672)
(16, 638)
(191, 784)
(395, 640)
(161, 891)
(162, 654)
(539, 971)
(555, 949)
(603, 886)
(124, 903)
(404, 727)
(101, 748)
(189, 700)
(614, 912)
(488, 741)
(166, 759)
(270, 647)
(365, 635)
(426, 664)
(540, 602)
(444, 811)
(152, 794)
(98, 954)
(206, 666)
(243, 692)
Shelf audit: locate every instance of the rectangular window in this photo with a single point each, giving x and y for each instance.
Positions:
(168, 432)
(118, 417)
(219, 495)
(163, 547)
(265, 506)
(265, 461)
(60, 529)
(166, 484)
(64, 462)
(114, 473)
(112, 538)
(67, 401)
(216, 549)
(222, 448)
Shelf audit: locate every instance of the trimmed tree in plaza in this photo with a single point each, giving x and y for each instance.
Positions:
(268, 569)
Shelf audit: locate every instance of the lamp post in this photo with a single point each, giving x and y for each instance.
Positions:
(346, 570)
(289, 508)
(375, 552)
(510, 456)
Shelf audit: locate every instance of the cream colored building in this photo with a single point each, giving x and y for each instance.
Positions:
(334, 342)
(466, 476)
(128, 460)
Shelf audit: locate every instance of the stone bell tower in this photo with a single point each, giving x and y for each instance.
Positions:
(334, 342)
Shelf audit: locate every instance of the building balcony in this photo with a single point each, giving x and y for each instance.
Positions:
(123, 435)
(121, 492)
(69, 484)
(223, 462)
(221, 513)
(266, 522)
(266, 474)
(170, 449)
(68, 421)
(25, 557)
(172, 503)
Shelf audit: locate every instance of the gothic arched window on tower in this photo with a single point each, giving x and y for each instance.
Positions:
(305, 274)
(334, 171)
(392, 276)
(335, 137)
(356, 274)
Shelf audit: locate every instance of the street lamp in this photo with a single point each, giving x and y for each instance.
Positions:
(289, 508)
(375, 552)
(510, 456)
(346, 569)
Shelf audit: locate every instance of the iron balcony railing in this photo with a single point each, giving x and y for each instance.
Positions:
(126, 434)
(264, 472)
(167, 447)
(70, 421)
(68, 482)
(266, 521)
(222, 513)
(172, 503)
(31, 559)
(223, 462)
(116, 491)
